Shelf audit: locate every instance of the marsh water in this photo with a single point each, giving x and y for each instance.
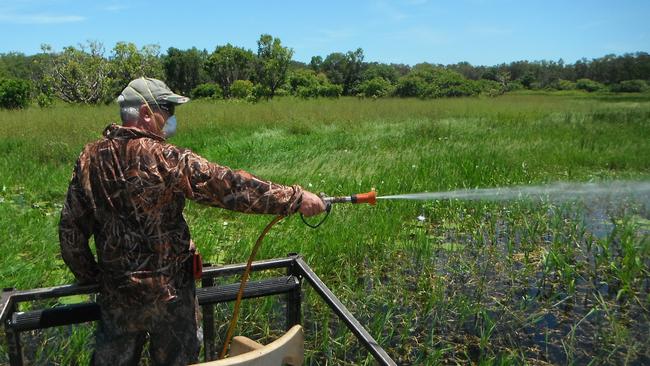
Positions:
(559, 273)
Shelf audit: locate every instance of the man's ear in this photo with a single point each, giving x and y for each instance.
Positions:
(145, 112)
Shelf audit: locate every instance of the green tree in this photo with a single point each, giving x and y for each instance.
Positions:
(334, 66)
(228, 64)
(15, 65)
(272, 63)
(344, 69)
(316, 63)
(384, 71)
(14, 93)
(527, 79)
(467, 70)
(490, 73)
(127, 62)
(79, 75)
(185, 69)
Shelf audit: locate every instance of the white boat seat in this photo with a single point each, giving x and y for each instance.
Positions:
(289, 349)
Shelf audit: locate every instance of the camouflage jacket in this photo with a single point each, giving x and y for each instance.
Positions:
(128, 190)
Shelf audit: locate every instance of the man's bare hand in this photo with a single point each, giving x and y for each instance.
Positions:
(311, 204)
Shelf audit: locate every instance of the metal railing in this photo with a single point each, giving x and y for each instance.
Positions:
(208, 294)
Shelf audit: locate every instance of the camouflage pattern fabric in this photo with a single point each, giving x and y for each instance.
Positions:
(128, 190)
(170, 327)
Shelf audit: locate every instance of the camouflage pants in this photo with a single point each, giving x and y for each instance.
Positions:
(171, 329)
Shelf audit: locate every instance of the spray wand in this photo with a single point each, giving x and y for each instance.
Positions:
(369, 198)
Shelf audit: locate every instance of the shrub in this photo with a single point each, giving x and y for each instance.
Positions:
(588, 85)
(566, 85)
(303, 78)
(452, 84)
(282, 91)
(375, 87)
(330, 90)
(306, 92)
(431, 91)
(14, 93)
(630, 86)
(207, 90)
(241, 89)
(514, 85)
(45, 100)
(527, 79)
(307, 84)
(261, 92)
(409, 86)
(489, 87)
(429, 81)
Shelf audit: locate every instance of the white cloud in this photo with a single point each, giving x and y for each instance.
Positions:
(39, 18)
(115, 8)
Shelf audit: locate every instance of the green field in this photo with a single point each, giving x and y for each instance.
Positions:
(511, 282)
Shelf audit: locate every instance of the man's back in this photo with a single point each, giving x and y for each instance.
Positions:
(129, 181)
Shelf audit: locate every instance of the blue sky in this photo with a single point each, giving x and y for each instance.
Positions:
(482, 32)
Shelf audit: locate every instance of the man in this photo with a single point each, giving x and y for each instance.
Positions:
(128, 190)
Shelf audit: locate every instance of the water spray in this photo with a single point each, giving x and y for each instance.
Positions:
(556, 192)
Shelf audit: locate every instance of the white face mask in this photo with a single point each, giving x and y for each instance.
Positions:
(169, 129)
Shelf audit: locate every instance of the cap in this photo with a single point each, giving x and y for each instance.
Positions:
(150, 91)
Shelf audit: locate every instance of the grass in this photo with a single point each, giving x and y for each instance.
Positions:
(482, 282)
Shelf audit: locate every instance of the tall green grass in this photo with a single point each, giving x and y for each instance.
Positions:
(490, 283)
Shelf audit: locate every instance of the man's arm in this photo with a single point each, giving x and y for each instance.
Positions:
(216, 185)
(75, 228)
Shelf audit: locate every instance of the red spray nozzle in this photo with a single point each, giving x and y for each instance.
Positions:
(370, 198)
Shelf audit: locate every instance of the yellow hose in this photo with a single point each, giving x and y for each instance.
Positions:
(240, 294)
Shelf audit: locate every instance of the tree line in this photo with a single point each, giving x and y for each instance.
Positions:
(89, 74)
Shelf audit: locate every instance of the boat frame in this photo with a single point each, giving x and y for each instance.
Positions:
(208, 294)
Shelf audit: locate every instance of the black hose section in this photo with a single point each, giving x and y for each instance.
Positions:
(328, 208)
(240, 294)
